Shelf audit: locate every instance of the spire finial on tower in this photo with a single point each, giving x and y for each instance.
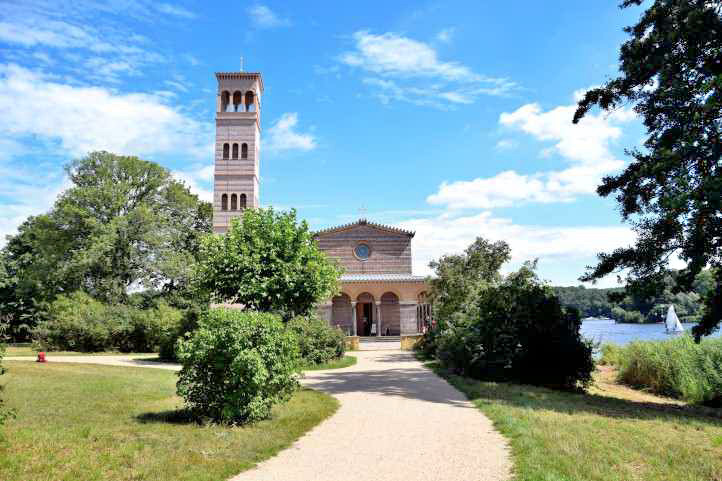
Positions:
(241, 63)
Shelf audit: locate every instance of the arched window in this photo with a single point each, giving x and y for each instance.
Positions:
(224, 202)
(250, 105)
(237, 101)
(244, 150)
(226, 148)
(225, 100)
(243, 201)
(235, 151)
(234, 202)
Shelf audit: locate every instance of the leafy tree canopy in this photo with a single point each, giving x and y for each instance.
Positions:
(267, 262)
(671, 71)
(460, 277)
(124, 222)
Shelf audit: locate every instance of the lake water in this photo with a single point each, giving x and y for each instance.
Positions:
(606, 330)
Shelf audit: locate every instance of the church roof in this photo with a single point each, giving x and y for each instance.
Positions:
(359, 222)
(381, 278)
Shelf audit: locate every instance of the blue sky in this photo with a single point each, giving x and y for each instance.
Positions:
(449, 118)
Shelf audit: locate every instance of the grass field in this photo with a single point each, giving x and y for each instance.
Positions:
(29, 351)
(78, 422)
(611, 434)
(345, 361)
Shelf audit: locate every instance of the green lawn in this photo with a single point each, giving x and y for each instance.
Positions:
(345, 361)
(79, 422)
(557, 436)
(29, 351)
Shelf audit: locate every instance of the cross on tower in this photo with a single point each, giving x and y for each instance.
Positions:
(362, 212)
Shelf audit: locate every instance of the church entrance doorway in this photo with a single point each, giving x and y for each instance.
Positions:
(365, 319)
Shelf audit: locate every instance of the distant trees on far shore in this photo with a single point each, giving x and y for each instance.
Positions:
(625, 308)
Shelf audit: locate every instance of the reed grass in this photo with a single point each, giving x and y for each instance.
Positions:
(678, 368)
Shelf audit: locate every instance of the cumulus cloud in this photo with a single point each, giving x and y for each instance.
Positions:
(445, 234)
(83, 119)
(199, 180)
(409, 70)
(264, 17)
(586, 147)
(283, 136)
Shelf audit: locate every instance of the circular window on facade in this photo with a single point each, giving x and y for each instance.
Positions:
(362, 251)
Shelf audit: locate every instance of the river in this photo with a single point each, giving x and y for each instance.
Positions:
(606, 330)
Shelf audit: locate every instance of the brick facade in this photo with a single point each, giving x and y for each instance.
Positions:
(390, 249)
(383, 282)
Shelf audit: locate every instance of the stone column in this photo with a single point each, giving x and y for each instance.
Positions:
(378, 318)
(353, 318)
(408, 317)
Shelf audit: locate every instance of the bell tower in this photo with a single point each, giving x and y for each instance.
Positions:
(238, 145)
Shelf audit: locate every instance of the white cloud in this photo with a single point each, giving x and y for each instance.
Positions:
(174, 10)
(505, 144)
(83, 119)
(554, 246)
(584, 146)
(199, 180)
(409, 70)
(26, 194)
(393, 54)
(282, 135)
(445, 35)
(264, 17)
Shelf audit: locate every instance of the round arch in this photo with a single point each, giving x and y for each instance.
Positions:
(390, 314)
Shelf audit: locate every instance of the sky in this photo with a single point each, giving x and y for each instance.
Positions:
(452, 119)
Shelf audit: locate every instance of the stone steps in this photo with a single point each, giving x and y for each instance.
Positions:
(380, 339)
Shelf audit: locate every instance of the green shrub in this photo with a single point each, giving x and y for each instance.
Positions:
(520, 333)
(678, 368)
(77, 323)
(80, 323)
(317, 341)
(237, 365)
(188, 323)
(611, 354)
(4, 413)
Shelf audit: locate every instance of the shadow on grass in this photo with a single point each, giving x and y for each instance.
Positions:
(535, 397)
(176, 416)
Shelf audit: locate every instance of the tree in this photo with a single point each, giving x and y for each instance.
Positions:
(267, 261)
(124, 222)
(671, 71)
(460, 277)
(519, 331)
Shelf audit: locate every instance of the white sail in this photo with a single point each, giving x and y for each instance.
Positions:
(672, 323)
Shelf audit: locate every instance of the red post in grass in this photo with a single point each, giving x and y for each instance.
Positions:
(41, 357)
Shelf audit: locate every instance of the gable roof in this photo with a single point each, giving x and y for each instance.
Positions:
(362, 222)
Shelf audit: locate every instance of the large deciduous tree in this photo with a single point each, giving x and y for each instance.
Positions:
(267, 261)
(671, 72)
(460, 277)
(123, 222)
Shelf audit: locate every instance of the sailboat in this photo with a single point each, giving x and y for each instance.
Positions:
(672, 323)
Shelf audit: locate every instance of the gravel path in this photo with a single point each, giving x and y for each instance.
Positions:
(397, 421)
(119, 360)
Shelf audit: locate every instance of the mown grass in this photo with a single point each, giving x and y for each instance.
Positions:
(562, 436)
(30, 351)
(342, 362)
(78, 422)
(678, 367)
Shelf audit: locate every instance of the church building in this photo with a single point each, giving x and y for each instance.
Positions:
(379, 294)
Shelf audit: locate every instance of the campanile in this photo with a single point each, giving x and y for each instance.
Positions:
(238, 146)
